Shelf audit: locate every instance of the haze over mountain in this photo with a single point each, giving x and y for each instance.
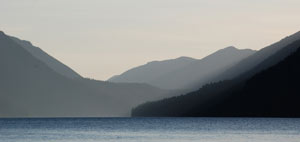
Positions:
(249, 63)
(209, 66)
(47, 59)
(183, 72)
(270, 92)
(152, 70)
(34, 84)
(30, 88)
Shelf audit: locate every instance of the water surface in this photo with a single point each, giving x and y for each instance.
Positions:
(150, 130)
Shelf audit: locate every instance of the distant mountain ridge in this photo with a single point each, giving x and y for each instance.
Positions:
(150, 71)
(270, 89)
(250, 62)
(182, 72)
(240, 83)
(194, 75)
(30, 88)
(46, 58)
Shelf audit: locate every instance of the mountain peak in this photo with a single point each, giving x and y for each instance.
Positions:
(228, 49)
(184, 58)
(231, 48)
(2, 33)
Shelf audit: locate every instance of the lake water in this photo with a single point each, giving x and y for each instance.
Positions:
(150, 130)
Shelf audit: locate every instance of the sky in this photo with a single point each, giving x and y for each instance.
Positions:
(102, 38)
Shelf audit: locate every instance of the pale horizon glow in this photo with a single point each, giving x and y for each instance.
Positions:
(102, 38)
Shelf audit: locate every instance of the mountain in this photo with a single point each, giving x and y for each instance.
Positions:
(273, 92)
(151, 71)
(195, 74)
(30, 88)
(47, 59)
(242, 68)
(183, 72)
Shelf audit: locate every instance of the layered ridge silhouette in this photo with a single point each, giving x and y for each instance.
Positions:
(268, 89)
(247, 83)
(30, 87)
(184, 72)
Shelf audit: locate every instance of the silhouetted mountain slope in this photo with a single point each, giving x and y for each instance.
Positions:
(47, 59)
(273, 92)
(184, 72)
(194, 75)
(29, 88)
(249, 63)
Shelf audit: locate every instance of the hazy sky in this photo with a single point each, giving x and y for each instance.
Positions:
(101, 38)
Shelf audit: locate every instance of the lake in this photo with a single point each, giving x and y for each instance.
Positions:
(150, 130)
